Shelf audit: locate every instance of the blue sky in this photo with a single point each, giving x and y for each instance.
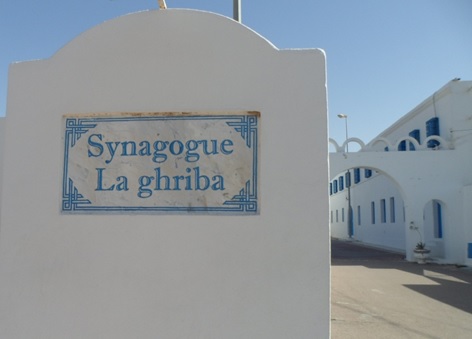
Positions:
(383, 56)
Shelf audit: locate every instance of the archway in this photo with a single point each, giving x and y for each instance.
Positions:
(367, 204)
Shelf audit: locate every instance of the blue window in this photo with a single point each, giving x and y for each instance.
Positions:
(372, 212)
(358, 214)
(438, 225)
(383, 211)
(357, 175)
(330, 188)
(392, 209)
(341, 183)
(402, 146)
(335, 186)
(432, 128)
(367, 173)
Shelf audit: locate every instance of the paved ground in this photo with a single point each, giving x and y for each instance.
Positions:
(376, 294)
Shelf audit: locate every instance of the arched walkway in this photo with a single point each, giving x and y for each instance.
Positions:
(411, 171)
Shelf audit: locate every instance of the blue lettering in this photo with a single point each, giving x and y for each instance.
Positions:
(144, 183)
(122, 183)
(159, 178)
(223, 146)
(198, 184)
(111, 149)
(96, 145)
(191, 156)
(180, 147)
(193, 181)
(100, 181)
(145, 148)
(205, 147)
(218, 183)
(159, 157)
(124, 149)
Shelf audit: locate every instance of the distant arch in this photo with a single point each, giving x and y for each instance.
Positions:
(343, 147)
(342, 170)
(441, 142)
(376, 141)
(408, 140)
(353, 141)
(335, 144)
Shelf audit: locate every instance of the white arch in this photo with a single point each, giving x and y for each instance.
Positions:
(442, 142)
(371, 144)
(335, 144)
(410, 139)
(396, 165)
(343, 147)
(353, 140)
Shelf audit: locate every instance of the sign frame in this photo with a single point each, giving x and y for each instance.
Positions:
(245, 123)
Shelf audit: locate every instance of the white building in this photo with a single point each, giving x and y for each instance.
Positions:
(413, 182)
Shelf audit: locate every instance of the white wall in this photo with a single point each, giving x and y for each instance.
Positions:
(163, 276)
(2, 147)
(424, 175)
(467, 202)
(387, 234)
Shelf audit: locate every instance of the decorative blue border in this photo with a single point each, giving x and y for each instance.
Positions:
(246, 202)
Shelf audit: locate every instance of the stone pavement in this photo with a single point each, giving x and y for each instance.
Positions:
(376, 294)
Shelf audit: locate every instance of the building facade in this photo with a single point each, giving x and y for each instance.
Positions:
(413, 182)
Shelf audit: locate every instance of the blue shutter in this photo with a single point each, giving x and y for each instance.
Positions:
(348, 179)
(341, 183)
(335, 186)
(432, 128)
(440, 226)
(357, 175)
(416, 135)
(330, 188)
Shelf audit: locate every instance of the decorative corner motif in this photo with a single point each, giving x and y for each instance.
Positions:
(75, 128)
(247, 127)
(71, 198)
(246, 199)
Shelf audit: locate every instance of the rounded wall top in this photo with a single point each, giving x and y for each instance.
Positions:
(168, 28)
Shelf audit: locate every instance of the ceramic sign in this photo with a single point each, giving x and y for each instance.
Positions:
(161, 162)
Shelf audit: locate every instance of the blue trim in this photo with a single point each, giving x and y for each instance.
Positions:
(357, 175)
(440, 225)
(469, 250)
(348, 179)
(416, 135)
(432, 128)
